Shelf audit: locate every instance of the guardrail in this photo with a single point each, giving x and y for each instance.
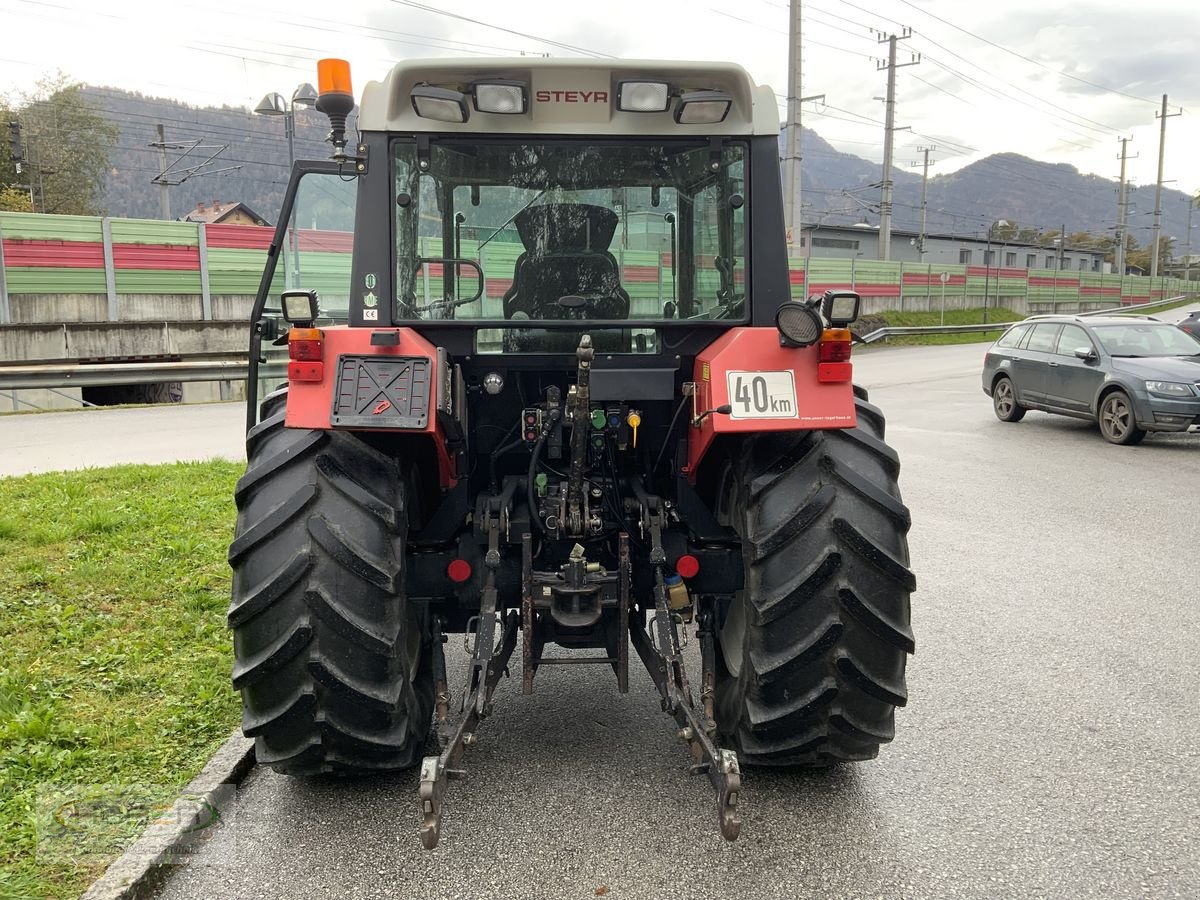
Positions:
(977, 328)
(98, 374)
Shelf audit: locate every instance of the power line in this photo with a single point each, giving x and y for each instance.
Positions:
(1021, 55)
(532, 37)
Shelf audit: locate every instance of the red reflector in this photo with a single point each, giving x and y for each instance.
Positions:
(304, 350)
(834, 371)
(835, 351)
(458, 571)
(687, 566)
(306, 371)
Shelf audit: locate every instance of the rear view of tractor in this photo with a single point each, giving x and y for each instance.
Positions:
(564, 404)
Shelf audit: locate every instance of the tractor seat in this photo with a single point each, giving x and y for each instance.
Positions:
(566, 253)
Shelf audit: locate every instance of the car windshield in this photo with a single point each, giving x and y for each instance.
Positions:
(1138, 339)
(516, 232)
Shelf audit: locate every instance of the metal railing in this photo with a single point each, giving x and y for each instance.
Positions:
(101, 374)
(57, 375)
(979, 327)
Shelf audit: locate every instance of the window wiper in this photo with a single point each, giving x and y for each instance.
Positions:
(509, 220)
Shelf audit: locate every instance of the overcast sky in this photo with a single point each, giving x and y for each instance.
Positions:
(1064, 82)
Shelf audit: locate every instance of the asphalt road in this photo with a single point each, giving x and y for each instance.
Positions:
(54, 441)
(1049, 747)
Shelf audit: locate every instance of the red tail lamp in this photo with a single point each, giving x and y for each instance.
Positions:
(458, 571)
(834, 356)
(687, 566)
(304, 354)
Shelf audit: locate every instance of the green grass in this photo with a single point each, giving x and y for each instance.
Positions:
(907, 319)
(114, 674)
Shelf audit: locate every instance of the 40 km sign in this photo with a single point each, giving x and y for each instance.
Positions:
(761, 395)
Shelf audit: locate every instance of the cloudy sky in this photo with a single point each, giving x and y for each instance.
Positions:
(1056, 81)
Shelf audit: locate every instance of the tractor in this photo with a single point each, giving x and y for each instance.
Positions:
(525, 366)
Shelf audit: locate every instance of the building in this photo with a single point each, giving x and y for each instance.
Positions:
(862, 242)
(224, 213)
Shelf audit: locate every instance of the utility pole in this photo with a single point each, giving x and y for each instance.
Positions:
(164, 190)
(1062, 247)
(924, 194)
(885, 201)
(793, 208)
(1122, 211)
(791, 160)
(1162, 146)
(1187, 269)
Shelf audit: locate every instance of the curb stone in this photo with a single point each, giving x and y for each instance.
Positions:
(136, 871)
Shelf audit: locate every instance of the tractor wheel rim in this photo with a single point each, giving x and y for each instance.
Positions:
(733, 635)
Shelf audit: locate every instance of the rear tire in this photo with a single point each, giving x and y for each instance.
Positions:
(1004, 401)
(328, 655)
(812, 653)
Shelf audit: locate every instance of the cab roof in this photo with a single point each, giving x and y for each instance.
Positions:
(569, 97)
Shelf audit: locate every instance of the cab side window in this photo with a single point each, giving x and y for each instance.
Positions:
(1012, 337)
(1072, 338)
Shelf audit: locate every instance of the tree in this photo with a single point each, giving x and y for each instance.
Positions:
(1141, 256)
(66, 148)
(14, 200)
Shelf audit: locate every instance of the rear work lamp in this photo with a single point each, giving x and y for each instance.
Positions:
(840, 308)
(643, 96)
(798, 324)
(505, 98)
(441, 104)
(702, 107)
(300, 307)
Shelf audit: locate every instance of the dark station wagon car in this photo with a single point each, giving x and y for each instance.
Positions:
(1131, 374)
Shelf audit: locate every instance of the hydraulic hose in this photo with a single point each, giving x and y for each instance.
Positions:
(551, 420)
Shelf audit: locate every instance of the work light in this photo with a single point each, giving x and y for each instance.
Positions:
(798, 324)
(506, 98)
(643, 96)
(300, 306)
(441, 104)
(702, 107)
(840, 307)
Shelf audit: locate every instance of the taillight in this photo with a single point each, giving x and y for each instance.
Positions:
(304, 355)
(835, 349)
(834, 356)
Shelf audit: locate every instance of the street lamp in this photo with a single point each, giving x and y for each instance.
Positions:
(273, 104)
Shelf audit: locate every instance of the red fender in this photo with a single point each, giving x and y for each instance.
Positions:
(769, 387)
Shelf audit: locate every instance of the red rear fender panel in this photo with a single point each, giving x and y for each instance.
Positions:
(310, 403)
(769, 387)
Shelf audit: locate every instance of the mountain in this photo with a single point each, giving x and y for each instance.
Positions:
(1003, 186)
(1025, 191)
(256, 145)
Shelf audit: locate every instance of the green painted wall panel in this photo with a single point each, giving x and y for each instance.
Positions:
(40, 227)
(44, 280)
(157, 281)
(151, 231)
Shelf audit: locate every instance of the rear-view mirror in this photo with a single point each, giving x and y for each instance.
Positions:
(1085, 353)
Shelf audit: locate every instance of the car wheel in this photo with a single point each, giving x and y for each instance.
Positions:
(1004, 401)
(1117, 422)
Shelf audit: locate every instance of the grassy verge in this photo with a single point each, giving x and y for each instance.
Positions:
(894, 318)
(114, 677)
